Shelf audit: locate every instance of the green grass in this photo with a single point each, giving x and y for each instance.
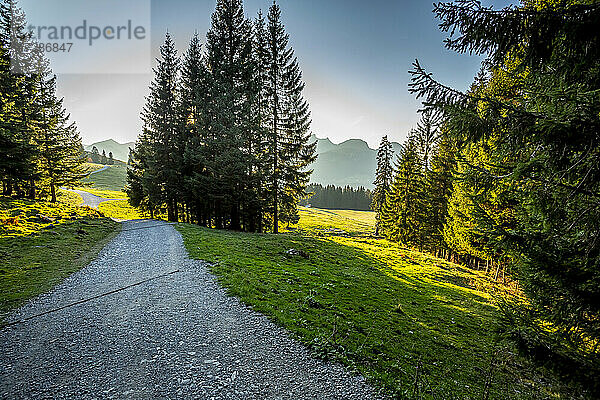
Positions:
(108, 194)
(120, 209)
(36, 256)
(71, 198)
(91, 167)
(22, 217)
(378, 308)
(114, 178)
(322, 222)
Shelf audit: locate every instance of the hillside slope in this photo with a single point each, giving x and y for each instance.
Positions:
(407, 321)
(114, 177)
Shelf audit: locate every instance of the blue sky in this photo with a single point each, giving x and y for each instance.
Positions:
(354, 55)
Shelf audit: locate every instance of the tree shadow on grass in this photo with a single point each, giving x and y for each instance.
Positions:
(347, 304)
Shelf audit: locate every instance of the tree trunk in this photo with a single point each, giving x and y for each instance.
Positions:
(235, 217)
(497, 273)
(8, 188)
(53, 192)
(172, 214)
(275, 160)
(31, 190)
(252, 223)
(260, 223)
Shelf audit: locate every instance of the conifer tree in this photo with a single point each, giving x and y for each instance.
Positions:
(163, 120)
(439, 186)
(195, 104)
(208, 144)
(60, 161)
(289, 150)
(103, 159)
(404, 208)
(260, 116)
(426, 136)
(359, 199)
(18, 152)
(383, 179)
(543, 119)
(95, 155)
(230, 61)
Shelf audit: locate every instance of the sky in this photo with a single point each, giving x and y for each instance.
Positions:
(355, 56)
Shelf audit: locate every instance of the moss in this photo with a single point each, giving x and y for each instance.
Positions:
(25, 217)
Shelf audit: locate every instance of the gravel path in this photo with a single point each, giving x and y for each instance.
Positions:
(178, 336)
(89, 199)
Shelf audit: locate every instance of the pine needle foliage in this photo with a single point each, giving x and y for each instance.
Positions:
(534, 117)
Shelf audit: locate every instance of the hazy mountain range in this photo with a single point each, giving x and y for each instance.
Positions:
(120, 151)
(351, 162)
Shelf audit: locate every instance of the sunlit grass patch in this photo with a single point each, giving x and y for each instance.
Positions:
(381, 309)
(114, 178)
(120, 209)
(91, 167)
(335, 222)
(107, 194)
(66, 197)
(24, 217)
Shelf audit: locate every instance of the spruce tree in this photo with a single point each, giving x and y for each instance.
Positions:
(144, 189)
(95, 155)
(260, 117)
(439, 186)
(405, 205)
(230, 60)
(426, 136)
(17, 95)
(383, 179)
(163, 120)
(543, 120)
(60, 161)
(195, 104)
(289, 150)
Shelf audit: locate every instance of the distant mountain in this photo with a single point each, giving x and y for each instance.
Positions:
(120, 151)
(351, 162)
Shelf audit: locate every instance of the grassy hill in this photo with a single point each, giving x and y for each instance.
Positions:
(114, 178)
(420, 327)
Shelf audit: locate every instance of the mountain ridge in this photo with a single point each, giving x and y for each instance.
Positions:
(120, 150)
(349, 163)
